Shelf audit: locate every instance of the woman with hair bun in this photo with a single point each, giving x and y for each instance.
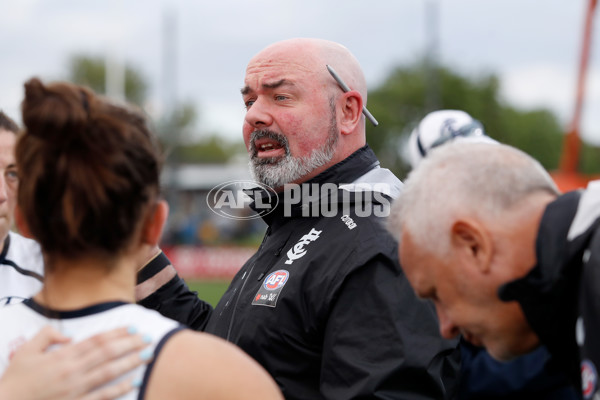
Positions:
(91, 198)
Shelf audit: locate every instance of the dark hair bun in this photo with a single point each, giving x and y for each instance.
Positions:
(55, 113)
(92, 170)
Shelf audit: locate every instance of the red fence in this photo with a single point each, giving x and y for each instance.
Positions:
(208, 262)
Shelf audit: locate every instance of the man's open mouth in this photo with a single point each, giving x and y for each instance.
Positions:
(268, 145)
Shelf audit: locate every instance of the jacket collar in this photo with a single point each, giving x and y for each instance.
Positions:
(548, 293)
(346, 171)
(350, 168)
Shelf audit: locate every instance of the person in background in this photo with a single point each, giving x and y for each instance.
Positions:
(60, 374)
(21, 263)
(443, 126)
(483, 377)
(323, 304)
(515, 263)
(92, 201)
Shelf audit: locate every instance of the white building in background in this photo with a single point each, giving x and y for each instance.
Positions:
(200, 243)
(191, 222)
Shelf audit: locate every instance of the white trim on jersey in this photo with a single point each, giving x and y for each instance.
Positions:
(588, 210)
(20, 322)
(21, 269)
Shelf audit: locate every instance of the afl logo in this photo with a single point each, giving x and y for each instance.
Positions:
(589, 379)
(276, 280)
(231, 199)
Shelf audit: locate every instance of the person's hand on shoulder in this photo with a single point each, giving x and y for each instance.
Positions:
(72, 371)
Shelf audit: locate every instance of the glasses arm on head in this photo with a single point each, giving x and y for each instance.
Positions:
(346, 89)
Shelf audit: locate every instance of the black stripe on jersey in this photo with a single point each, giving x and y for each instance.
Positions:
(154, 267)
(157, 349)
(82, 312)
(4, 261)
(5, 249)
(22, 271)
(4, 301)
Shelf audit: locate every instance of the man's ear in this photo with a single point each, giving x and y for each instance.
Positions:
(21, 224)
(155, 222)
(351, 111)
(472, 241)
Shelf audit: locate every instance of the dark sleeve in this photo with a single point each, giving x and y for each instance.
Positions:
(526, 377)
(383, 342)
(174, 299)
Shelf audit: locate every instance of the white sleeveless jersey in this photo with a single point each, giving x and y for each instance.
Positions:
(21, 321)
(21, 269)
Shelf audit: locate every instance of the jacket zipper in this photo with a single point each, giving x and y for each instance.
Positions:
(245, 278)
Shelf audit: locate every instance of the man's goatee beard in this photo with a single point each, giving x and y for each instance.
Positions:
(278, 171)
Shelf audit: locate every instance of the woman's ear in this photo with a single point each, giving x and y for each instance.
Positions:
(155, 222)
(351, 111)
(22, 226)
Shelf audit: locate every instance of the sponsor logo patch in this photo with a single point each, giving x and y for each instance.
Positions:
(589, 379)
(276, 280)
(298, 250)
(271, 288)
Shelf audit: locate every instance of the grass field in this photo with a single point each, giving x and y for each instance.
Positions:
(209, 291)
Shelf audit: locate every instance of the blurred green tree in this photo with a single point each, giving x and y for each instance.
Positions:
(174, 128)
(211, 150)
(91, 71)
(400, 102)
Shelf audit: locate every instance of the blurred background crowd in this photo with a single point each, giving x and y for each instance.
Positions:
(515, 65)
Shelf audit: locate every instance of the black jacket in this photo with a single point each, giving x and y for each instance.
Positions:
(324, 307)
(561, 295)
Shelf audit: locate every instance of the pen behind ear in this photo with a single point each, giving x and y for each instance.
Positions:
(346, 89)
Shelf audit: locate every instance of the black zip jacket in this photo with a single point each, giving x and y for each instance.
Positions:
(323, 304)
(561, 295)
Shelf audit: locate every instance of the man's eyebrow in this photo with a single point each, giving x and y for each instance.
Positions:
(422, 291)
(279, 83)
(274, 85)
(428, 293)
(245, 90)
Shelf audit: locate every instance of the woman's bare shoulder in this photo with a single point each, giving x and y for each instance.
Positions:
(195, 365)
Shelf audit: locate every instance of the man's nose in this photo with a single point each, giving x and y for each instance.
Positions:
(259, 114)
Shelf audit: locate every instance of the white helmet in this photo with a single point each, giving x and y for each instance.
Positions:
(439, 127)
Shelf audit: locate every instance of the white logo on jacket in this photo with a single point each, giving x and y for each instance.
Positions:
(298, 251)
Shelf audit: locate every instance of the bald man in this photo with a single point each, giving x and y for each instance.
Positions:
(323, 304)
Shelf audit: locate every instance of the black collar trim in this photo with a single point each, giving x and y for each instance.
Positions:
(82, 312)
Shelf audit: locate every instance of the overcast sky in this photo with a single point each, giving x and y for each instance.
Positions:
(534, 46)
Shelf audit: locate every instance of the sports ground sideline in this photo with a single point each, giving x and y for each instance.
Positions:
(209, 290)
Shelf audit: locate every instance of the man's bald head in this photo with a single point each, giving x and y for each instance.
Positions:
(299, 121)
(312, 55)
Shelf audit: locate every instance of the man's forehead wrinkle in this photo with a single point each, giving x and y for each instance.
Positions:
(259, 66)
(270, 73)
(276, 84)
